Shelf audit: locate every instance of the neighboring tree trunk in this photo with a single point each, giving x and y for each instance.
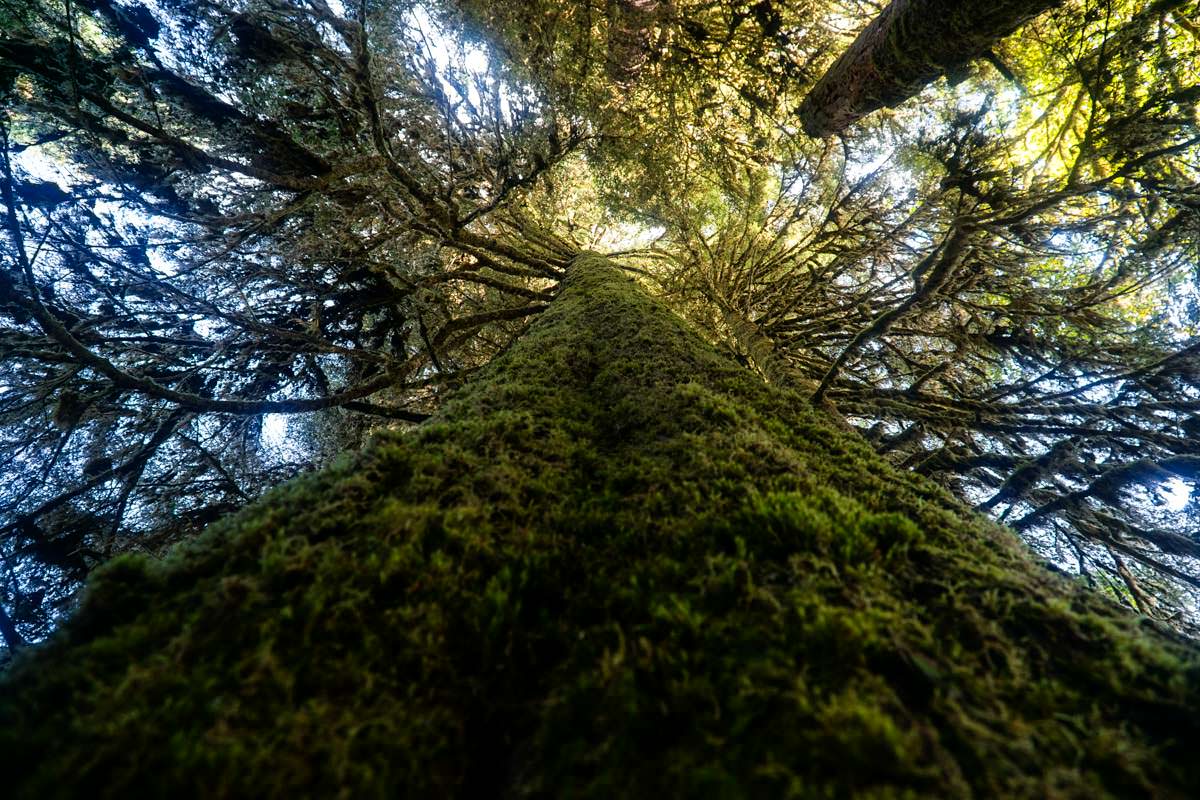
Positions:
(908, 46)
(630, 38)
(615, 565)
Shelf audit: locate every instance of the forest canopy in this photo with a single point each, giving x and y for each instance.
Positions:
(240, 237)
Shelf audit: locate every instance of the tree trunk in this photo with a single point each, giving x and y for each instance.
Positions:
(907, 47)
(615, 565)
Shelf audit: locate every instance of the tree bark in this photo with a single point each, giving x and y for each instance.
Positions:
(615, 565)
(907, 47)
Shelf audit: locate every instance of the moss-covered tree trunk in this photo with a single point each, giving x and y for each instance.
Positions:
(908, 46)
(616, 565)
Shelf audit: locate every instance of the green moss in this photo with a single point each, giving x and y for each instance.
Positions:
(615, 565)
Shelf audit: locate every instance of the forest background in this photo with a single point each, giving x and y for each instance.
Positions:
(241, 237)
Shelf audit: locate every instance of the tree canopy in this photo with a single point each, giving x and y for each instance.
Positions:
(222, 213)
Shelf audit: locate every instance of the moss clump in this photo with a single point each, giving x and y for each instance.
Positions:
(615, 565)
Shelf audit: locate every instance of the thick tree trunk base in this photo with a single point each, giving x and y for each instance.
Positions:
(617, 565)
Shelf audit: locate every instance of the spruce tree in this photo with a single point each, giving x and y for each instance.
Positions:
(615, 564)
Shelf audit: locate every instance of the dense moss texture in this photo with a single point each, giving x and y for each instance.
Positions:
(617, 565)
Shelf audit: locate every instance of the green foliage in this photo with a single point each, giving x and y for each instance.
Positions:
(996, 283)
(261, 208)
(615, 564)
